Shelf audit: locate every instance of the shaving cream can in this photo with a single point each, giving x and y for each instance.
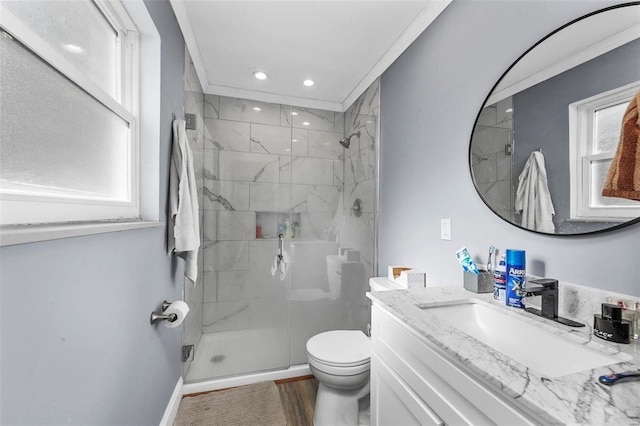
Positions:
(516, 277)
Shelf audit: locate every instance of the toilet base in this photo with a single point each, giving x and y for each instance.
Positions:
(338, 407)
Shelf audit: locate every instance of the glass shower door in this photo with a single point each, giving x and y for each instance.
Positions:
(247, 196)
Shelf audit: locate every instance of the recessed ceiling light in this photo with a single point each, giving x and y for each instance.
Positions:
(508, 110)
(305, 123)
(294, 113)
(257, 109)
(294, 140)
(260, 75)
(73, 48)
(308, 82)
(287, 150)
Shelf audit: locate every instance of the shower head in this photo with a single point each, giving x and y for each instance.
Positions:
(346, 141)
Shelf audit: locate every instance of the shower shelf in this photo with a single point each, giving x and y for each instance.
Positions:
(270, 224)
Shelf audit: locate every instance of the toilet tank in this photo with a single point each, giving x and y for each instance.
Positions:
(345, 274)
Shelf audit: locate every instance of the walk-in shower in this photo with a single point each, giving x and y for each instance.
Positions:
(265, 174)
(346, 141)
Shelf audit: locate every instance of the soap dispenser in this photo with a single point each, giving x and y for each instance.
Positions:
(610, 326)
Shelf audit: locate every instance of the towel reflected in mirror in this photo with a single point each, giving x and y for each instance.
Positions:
(533, 199)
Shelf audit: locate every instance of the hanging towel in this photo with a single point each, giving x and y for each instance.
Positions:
(274, 265)
(280, 265)
(184, 229)
(284, 265)
(623, 179)
(533, 199)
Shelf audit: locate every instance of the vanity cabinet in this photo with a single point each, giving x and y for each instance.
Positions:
(412, 382)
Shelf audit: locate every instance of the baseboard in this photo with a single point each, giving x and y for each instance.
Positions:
(230, 382)
(171, 411)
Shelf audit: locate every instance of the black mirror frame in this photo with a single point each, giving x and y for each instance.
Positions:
(599, 231)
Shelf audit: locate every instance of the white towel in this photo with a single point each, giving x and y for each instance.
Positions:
(184, 229)
(274, 266)
(533, 198)
(284, 265)
(280, 265)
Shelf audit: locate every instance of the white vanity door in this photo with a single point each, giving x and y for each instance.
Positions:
(433, 380)
(393, 403)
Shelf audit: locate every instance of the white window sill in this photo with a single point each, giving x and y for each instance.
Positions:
(22, 234)
(599, 219)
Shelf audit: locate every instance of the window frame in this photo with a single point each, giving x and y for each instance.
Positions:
(581, 134)
(148, 129)
(27, 209)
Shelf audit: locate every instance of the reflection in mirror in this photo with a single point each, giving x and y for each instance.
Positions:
(544, 140)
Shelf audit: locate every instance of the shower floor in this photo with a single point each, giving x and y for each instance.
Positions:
(236, 352)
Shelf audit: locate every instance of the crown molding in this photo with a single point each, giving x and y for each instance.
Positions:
(581, 57)
(184, 22)
(431, 11)
(255, 95)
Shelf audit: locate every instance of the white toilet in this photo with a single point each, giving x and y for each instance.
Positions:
(340, 360)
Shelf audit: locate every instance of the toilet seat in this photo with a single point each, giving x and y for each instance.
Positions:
(339, 364)
(340, 349)
(341, 370)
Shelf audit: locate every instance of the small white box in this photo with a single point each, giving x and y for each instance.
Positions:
(407, 277)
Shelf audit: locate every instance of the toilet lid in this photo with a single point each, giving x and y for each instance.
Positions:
(340, 347)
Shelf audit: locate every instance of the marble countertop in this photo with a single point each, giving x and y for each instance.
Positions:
(571, 399)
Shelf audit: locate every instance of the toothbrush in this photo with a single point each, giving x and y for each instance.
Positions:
(489, 262)
(612, 379)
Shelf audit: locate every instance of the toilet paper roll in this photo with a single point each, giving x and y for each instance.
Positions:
(181, 309)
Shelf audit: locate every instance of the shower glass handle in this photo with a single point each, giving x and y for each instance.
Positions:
(280, 247)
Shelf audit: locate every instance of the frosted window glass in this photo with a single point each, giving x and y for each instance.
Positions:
(78, 31)
(608, 123)
(54, 138)
(599, 170)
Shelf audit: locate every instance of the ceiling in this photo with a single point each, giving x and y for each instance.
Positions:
(343, 46)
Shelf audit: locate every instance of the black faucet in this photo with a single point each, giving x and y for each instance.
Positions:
(548, 289)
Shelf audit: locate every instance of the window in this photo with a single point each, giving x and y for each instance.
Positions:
(69, 113)
(594, 125)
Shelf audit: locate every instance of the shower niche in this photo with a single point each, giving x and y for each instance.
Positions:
(269, 225)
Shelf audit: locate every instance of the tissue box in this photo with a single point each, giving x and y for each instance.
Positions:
(407, 277)
(478, 283)
(394, 272)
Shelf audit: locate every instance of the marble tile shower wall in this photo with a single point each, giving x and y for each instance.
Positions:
(194, 104)
(261, 157)
(491, 166)
(360, 175)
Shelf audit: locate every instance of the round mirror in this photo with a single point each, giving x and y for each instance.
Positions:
(543, 142)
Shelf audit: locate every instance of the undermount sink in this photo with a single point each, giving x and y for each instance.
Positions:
(536, 348)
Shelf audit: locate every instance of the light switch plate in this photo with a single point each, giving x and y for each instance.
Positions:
(445, 229)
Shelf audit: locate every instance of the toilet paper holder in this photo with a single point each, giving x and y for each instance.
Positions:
(155, 316)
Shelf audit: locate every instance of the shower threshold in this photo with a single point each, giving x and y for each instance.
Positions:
(227, 355)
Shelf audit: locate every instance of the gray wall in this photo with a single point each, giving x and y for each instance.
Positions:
(541, 120)
(76, 344)
(429, 100)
